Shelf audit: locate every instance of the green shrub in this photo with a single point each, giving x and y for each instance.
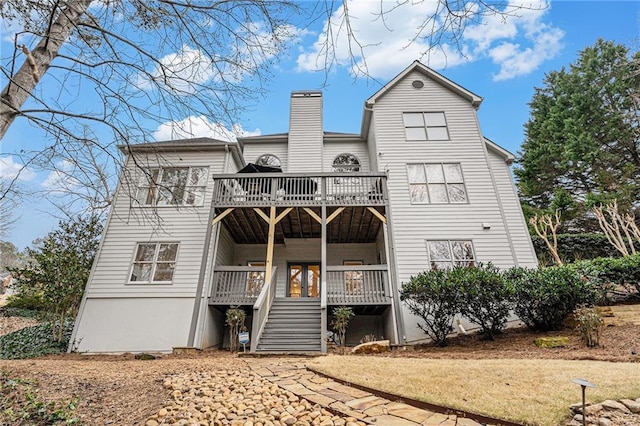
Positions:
(486, 298)
(545, 297)
(435, 299)
(29, 301)
(34, 341)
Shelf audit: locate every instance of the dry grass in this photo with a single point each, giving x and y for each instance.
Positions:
(529, 391)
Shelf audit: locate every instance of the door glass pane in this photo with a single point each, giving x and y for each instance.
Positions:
(295, 281)
(313, 280)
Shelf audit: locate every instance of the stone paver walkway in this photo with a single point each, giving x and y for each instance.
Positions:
(291, 374)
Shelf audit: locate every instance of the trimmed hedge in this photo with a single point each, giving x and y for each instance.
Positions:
(608, 272)
(544, 298)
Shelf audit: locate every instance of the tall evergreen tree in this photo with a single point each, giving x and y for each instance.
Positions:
(583, 138)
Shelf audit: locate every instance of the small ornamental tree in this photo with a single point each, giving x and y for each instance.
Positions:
(341, 317)
(58, 269)
(435, 299)
(235, 321)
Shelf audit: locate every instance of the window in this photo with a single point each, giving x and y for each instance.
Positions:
(445, 254)
(269, 160)
(353, 280)
(425, 126)
(173, 186)
(154, 262)
(436, 183)
(345, 163)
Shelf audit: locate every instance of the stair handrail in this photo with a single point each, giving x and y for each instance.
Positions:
(261, 309)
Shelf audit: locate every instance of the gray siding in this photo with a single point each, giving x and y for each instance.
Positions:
(525, 254)
(253, 151)
(415, 223)
(332, 149)
(130, 225)
(305, 134)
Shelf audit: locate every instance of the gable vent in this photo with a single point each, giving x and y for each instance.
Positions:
(417, 84)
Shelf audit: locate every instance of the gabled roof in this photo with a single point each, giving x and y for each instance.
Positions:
(507, 155)
(474, 99)
(177, 145)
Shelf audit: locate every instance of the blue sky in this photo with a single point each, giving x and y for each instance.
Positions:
(503, 62)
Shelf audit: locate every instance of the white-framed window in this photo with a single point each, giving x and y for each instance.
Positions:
(268, 160)
(154, 263)
(436, 183)
(173, 186)
(444, 254)
(425, 126)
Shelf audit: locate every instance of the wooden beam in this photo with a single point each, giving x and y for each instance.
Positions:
(262, 214)
(283, 214)
(221, 216)
(312, 214)
(379, 215)
(270, 243)
(335, 214)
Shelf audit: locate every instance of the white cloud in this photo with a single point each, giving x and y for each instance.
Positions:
(10, 169)
(519, 44)
(61, 179)
(200, 126)
(518, 41)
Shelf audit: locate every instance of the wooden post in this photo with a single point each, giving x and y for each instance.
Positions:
(270, 242)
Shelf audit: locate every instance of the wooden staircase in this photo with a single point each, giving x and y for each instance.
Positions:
(294, 325)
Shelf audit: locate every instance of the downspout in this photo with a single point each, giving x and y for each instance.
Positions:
(203, 265)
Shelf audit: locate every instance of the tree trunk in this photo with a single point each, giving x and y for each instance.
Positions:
(36, 63)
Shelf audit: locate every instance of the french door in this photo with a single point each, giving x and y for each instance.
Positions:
(304, 279)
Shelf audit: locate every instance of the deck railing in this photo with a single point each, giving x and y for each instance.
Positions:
(357, 285)
(345, 285)
(261, 309)
(288, 189)
(237, 285)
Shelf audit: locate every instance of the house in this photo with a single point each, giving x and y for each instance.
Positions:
(325, 219)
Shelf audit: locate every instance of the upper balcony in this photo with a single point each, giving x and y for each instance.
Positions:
(298, 190)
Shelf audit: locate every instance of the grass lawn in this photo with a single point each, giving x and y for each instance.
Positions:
(529, 391)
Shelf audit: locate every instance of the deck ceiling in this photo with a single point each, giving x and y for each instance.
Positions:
(353, 225)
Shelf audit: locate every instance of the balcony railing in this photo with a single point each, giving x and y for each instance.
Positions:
(346, 285)
(357, 285)
(279, 189)
(237, 285)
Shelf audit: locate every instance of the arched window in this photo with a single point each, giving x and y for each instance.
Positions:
(268, 160)
(345, 163)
